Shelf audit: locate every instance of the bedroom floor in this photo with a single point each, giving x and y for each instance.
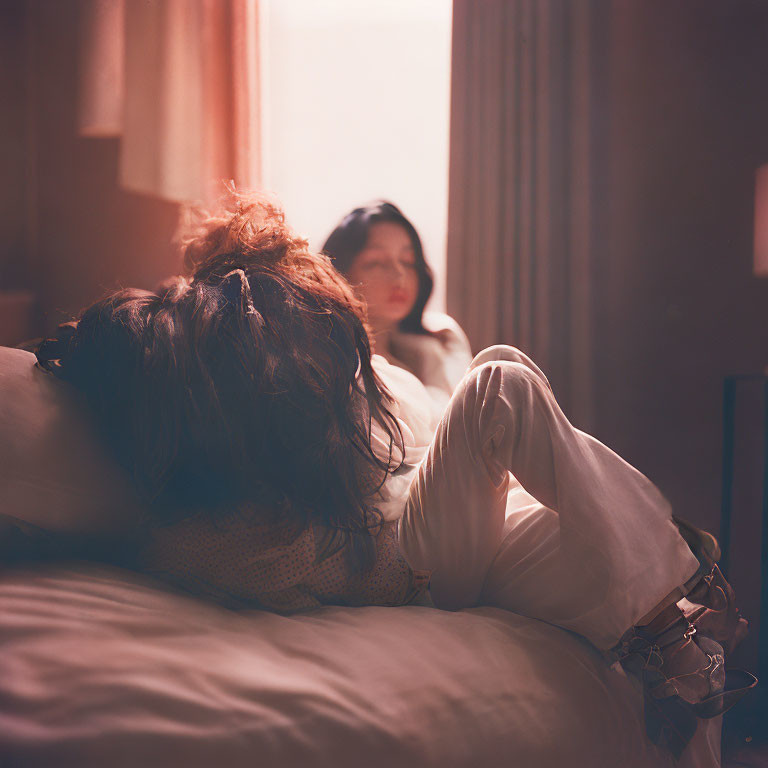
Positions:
(745, 738)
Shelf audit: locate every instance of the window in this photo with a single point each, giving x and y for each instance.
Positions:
(355, 100)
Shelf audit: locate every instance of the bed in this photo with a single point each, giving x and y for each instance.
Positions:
(102, 666)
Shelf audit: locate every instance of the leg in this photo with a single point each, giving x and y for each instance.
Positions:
(589, 543)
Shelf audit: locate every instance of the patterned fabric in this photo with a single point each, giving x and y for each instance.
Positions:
(242, 562)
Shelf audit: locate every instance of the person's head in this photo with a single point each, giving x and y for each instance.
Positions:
(379, 251)
(248, 382)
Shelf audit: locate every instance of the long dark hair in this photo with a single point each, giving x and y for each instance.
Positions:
(247, 382)
(350, 236)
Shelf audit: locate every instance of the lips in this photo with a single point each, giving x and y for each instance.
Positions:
(398, 297)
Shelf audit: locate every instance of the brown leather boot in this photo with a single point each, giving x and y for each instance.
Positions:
(683, 677)
(711, 603)
(689, 670)
(679, 654)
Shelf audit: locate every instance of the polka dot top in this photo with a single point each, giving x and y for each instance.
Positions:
(278, 567)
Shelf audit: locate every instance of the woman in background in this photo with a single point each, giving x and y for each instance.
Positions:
(380, 253)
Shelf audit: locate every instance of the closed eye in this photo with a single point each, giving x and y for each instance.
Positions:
(374, 264)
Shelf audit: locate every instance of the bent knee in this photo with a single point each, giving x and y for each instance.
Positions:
(499, 352)
(516, 382)
(512, 372)
(503, 353)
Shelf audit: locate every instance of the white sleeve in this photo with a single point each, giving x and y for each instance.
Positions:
(457, 352)
(439, 359)
(413, 410)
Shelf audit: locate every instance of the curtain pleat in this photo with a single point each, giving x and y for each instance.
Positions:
(184, 95)
(521, 179)
(100, 96)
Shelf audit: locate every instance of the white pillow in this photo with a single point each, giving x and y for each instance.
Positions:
(54, 472)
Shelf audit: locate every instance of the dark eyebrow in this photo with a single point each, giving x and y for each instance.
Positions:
(381, 246)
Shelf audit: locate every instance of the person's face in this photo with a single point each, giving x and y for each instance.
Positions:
(384, 274)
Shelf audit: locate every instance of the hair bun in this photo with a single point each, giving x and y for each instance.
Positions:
(52, 352)
(173, 288)
(246, 229)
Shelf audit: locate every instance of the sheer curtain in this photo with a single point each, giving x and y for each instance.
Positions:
(178, 82)
(523, 183)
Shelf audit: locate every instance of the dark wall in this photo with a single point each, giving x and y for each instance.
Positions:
(687, 106)
(689, 126)
(88, 234)
(13, 145)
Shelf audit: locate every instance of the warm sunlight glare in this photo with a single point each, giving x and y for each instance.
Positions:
(356, 107)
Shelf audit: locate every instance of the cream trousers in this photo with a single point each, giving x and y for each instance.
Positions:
(514, 507)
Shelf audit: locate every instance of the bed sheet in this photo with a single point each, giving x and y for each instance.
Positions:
(103, 667)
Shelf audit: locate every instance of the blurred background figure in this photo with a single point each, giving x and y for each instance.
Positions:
(379, 251)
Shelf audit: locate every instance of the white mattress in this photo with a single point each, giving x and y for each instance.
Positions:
(103, 667)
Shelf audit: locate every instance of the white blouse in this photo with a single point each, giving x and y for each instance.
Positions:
(439, 360)
(421, 378)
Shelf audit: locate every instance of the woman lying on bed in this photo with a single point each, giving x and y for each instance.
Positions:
(286, 467)
(380, 253)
